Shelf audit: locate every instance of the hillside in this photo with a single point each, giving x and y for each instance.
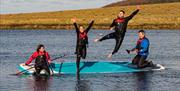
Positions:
(154, 16)
(139, 2)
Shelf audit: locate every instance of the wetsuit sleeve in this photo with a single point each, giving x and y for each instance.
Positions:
(77, 31)
(89, 27)
(133, 14)
(32, 57)
(113, 24)
(144, 46)
(76, 27)
(48, 58)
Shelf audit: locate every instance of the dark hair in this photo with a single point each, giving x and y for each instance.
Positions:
(141, 31)
(122, 11)
(39, 46)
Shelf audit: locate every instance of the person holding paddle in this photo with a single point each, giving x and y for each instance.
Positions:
(142, 50)
(82, 42)
(42, 60)
(119, 25)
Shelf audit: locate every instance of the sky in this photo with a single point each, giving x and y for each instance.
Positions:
(27, 6)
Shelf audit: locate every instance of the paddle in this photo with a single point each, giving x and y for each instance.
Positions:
(60, 67)
(47, 64)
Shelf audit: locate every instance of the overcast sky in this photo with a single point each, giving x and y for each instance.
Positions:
(24, 6)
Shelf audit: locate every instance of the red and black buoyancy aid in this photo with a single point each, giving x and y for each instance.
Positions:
(119, 20)
(83, 35)
(139, 43)
(41, 59)
(83, 38)
(119, 24)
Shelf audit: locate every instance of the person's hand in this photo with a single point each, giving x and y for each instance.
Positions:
(49, 62)
(25, 64)
(138, 7)
(136, 50)
(128, 51)
(110, 55)
(73, 20)
(92, 20)
(111, 28)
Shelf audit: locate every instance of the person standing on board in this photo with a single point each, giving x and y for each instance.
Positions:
(82, 42)
(119, 25)
(142, 50)
(42, 60)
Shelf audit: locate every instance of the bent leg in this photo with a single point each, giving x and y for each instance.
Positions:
(118, 43)
(136, 59)
(108, 36)
(142, 62)
(38, 69)
(46, 68)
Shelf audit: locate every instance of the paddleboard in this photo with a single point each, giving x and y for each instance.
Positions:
(92, 67)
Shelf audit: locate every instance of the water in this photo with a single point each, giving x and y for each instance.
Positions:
(16, 46)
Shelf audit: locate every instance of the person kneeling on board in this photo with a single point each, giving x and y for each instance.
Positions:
(142, 50)
(42, 60)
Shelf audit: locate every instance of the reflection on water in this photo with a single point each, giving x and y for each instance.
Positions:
(38, 83)
(142, 81)
(83, 85)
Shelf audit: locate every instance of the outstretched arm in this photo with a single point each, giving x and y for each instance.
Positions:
(90, 25)
(75, 24)
(134, 13)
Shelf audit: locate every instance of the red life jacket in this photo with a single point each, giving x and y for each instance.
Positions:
(119, 20)
(139, 43)
(83, 35)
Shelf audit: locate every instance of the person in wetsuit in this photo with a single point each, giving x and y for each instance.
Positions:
(82, 42)
(142, 50)
(120, 24)
(42, 60)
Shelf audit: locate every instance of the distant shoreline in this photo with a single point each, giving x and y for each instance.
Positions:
(151, 16)
(96, 26)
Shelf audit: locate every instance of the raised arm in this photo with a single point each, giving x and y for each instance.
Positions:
(90, 25)
(75, 24)
(76, 27)
(134, 13)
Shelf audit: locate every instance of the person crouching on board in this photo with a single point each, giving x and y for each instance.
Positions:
(42, 60)
(82, 42)
(142, 50)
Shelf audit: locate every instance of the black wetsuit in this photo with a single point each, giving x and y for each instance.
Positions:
(40, 64)
(82, 41)
(120, 30)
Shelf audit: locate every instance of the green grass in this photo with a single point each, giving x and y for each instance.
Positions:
(153, 16)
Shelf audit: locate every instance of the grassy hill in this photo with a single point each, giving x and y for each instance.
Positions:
(139, 2)
(153, 16)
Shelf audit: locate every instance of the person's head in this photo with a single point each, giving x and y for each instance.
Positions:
(40, 48)
(81, 29)
(121, 13)
(141, 34)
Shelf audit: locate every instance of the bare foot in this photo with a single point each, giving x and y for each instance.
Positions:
(110, 55)
(96, 40)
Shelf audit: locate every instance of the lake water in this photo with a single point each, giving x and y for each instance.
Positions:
(17, 45)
